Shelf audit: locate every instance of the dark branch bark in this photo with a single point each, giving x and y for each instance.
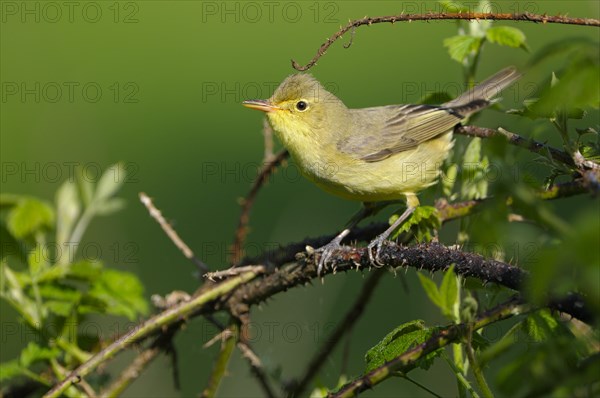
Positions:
(430, 257)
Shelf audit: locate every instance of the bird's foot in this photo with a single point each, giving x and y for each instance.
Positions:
(376, 244)
(325, 252)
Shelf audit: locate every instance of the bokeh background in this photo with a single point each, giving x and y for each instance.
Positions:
(158, 85)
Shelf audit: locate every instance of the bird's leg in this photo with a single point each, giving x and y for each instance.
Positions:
(411, 204)
(326, 251)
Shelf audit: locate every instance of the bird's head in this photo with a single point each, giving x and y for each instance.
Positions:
(300, 105)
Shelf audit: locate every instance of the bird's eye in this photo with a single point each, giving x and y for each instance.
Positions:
(301, 106)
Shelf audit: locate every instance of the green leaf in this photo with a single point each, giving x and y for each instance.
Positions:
(62, 292)
(10, 246)
(449, 179)
(110, 206)
(85, 187)
(432, 290)
(68, 208)
(474, 172)
(423, 223)
(34, 353)
(506, 36)
(449, 294)
(540, 325)
(29, 216)
(461, 46)
(60, 308)
(10, 369)
(110, 182)
(38, 260)
(85, 270)
(397, 342)
(8, 200)
(11, 290)
(121, 292)
(579, 87)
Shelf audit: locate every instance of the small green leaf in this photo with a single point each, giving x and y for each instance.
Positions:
(8, 200)
(397, 342)
(432, 290)
(110, 182)
(85, 270)
(449, 179)
(38, 260)
(10, 246)
(60, 308)
(12, 291)
(85, 187)
(29, 216)
(68, 209)
(579, 87)
(110, 206)
(422, 223)
(57, 291)
(34, 353)
(474, 172)
(506, 36)
(540, 325)
(461, 46)
(122, 292)
(449, 294)
(10, 369)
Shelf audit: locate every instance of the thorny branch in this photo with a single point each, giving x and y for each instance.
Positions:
(528, 17)
(238, 293)
(409, 359)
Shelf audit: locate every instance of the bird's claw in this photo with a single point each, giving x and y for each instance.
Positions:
(376, 244)
(325, 253)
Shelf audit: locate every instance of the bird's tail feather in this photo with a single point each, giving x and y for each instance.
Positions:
(487, 89)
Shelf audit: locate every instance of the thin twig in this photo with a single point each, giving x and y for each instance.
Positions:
(170, 316)
(228, 338)
(409, 359)
(268, 139)
(351, 317)
(132, 372)
(256, 368)
(518, 140)
(241, 231)
(171, 233)
(476, 369)
(443, 16)
(212, 276)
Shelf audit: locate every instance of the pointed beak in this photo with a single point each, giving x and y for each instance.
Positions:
(261, 105)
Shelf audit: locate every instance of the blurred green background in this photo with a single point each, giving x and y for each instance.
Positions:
(158, 85)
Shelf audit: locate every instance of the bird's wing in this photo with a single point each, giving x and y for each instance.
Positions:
(405, 127)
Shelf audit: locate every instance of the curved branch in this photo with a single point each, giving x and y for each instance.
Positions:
(431, 257)
(409, 359)
(528, 17)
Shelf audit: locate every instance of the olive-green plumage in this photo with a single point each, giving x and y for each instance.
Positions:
(369, 154)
